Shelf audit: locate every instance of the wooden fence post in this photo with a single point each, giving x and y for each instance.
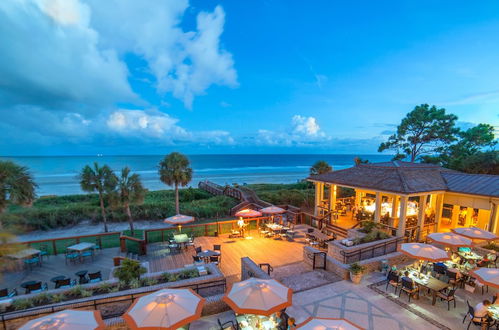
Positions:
(54, 247)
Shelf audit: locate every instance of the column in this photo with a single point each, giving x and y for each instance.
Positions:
(494, 212)
(439, 205)
(403, 211)
(317, 197)
(421, 214)
(395, 206)
(377, 210)
(357, 198)
(469, 213)
(333, 192)
(456, 209)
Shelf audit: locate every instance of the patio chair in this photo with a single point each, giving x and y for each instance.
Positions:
(453, 279)
(43, 251)
(32, 261)
(479, 321)
(190, 242)
(173, 246)
(197, 260)
(65, 283)
(87, 254)
(228, 325)
(393, 280)
(95, 277)
(439, 268)
(215, 260)
(448, 297)
(264, 231)
(72, 257)
(5, 294)
(408, 287)
(36, 288)
(198, 249)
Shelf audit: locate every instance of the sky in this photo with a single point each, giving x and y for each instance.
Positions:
(81, 77)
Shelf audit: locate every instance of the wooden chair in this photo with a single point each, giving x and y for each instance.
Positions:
(393, 280)
(479, 321)
(408, 287)
(95, 277)
(448, 297)
(64, 284)
(228, 325)
(215, 260)
(197, 260)
(5, 294)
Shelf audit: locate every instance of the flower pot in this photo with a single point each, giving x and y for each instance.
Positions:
(355, 278)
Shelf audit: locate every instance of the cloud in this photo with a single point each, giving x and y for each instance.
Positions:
(224, 104)
(481, 97)
(303, 131)
(184, 63)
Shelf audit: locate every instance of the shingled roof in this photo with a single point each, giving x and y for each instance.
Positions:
(410, 178)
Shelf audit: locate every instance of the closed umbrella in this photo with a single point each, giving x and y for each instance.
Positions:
(475, 233)
(318, 323)
(164, 309)
(248, 213)
(67, 320)
(424, 251)
(258, 296)
(179, 220)
(488, 276)
(450, 239)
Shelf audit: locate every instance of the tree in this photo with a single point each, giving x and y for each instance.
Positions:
(423, 131)
(359, 161)
(101, 180)
(129, 270)
(472, 153)
(130, 191)
(320, 167)
(175, 170)
(17, 186)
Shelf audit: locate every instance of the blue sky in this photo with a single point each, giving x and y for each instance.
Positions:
(126, 77)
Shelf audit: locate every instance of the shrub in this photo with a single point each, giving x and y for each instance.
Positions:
(135, 283)
(42, 299)
(103, 288)
(58, 298)
(149, 281)
(368, 226)
(356, 268)
(20, 304)
(188, 273)
(129, 270)
(77, 292)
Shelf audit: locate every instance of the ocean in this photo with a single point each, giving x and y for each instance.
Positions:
(57, 175)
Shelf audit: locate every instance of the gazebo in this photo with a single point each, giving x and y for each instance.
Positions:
(419, 190)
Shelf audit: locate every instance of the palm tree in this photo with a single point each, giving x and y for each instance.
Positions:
(16, 186)
(101, 180)
(130, 191)
(175, 169)
(320, 167)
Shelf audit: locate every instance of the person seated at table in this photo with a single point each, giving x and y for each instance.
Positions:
(291, 323)
(455, 258)
(407, 278)
(482, 313)
(469, 264)
(282, 320)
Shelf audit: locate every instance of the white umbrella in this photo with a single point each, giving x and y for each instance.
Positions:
(424, 251)
(67, 320)
(488, 276)
(248, 213)
(164, 309)
(475, 233)
(318, 323)
(258, 296)
(450, 239)
(272, 210)
(179, 220)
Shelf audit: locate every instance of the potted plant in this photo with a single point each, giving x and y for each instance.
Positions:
(356, 271)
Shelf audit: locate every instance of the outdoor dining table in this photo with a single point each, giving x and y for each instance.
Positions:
(470, 256)
(207, 253)
(431, 284)
(80, 247)
(251, 321)
(26, 253)
(494, 312)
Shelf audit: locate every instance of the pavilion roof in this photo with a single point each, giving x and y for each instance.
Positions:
(410, 178)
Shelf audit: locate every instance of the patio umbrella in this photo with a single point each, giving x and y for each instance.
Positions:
(450, 239)
(475, 233)
(67, 320)
(318, 323)
(424, 251)
(272, 210)
(258, 296)
(248, 213)
(164, 309)
(488, 276)
(179, 220)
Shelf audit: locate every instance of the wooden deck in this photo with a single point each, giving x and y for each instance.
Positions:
(276, 252)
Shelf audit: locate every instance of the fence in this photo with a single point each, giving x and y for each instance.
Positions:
(9, 320)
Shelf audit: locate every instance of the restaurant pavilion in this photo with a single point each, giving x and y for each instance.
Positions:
(412, 199)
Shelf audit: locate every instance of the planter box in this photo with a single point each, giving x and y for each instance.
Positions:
(338, 251)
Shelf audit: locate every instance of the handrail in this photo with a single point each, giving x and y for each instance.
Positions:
(270, 269)
(348, 254)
